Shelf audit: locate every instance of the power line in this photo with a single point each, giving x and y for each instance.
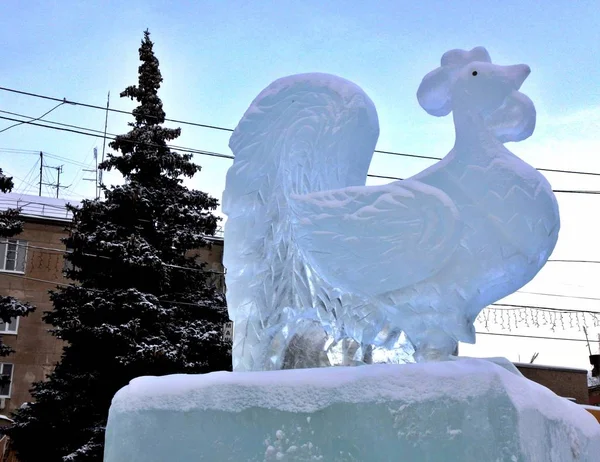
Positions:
(558, 295)
(492, 306)
(62, 284)
(46, 154)
(385, 177)
(92, 106)
(112, 138)
(573, 261)
(26, 182)
(63, 251)
(512, 307)
(56, 123)
(403, 154)
(33, 120)
(536, 337)
(226, 156)
(576, 172)
(24, 151)
(216, 127)
(575, 191)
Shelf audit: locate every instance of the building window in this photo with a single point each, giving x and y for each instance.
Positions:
(12, 255)
(6, 372)
(11, 327)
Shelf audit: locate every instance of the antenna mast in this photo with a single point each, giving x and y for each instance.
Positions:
(41, 172)
(104, 143)
(95, 170)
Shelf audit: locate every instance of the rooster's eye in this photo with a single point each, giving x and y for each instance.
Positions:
(474, 72)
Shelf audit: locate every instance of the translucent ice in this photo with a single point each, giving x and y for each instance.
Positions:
(467, 410)
(315, 257)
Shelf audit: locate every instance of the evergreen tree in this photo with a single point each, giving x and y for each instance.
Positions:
(142, 305)
(10, 225)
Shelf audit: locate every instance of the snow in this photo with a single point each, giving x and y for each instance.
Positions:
(36, 206)
(554, 368)
(454, 403)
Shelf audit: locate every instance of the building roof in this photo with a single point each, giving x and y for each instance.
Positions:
(54, 209)
(550, 368)
(45, 208)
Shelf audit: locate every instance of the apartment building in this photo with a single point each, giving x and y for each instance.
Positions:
(31, 264)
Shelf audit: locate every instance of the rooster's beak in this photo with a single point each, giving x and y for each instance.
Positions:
(517, 74)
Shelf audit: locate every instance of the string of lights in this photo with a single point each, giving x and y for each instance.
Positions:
(63, 284)
(536, 316)
(504, 315)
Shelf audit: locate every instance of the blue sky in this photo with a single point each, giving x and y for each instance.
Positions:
(216, 56)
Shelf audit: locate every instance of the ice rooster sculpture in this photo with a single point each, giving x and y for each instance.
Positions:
(314, 256)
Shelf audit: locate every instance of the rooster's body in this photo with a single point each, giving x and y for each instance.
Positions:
(314, 254)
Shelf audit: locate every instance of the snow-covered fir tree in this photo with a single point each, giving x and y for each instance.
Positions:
(141, 305)
(10, 222)
(10, 225)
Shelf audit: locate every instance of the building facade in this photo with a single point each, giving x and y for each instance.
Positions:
(564, 381)
(32, 264)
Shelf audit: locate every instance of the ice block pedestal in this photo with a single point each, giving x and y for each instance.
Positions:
(464, 410)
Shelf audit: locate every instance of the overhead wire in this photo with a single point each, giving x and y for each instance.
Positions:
(90, 132)
(85, 168)
(227, 156)
(106, 257)
(578, 297)
(537, 337)
(25, 183)
(506, 306)
(33, 119)
(63, 284)
(523, 292)
(510, 307)
(572, 261)
(24, 186)
(226, 129)
(20, 151)
(46, 154)
(120, 111)
(112, 137)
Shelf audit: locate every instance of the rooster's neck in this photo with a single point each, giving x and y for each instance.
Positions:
(475, 142)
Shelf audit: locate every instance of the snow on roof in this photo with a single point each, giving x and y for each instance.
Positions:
(590, 406)
(553, 368)
(50, 208)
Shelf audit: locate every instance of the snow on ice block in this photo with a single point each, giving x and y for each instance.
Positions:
(465, 410)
